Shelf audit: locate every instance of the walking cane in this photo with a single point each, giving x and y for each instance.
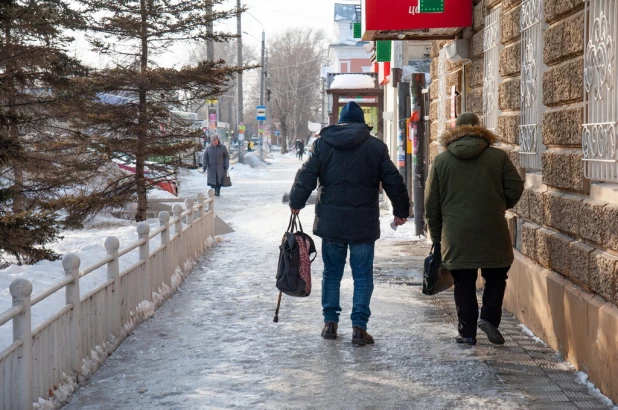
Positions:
(276, 319)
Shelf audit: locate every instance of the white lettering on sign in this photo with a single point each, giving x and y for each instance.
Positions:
(415, 10)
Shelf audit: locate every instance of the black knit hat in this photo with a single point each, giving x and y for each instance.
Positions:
(352, 113)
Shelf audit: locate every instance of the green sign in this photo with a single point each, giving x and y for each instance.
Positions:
(432, 6)
(357, 30)
(383, 51)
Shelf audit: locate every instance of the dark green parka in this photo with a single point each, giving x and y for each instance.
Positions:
(470, 186)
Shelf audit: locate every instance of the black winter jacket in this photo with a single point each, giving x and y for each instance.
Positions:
(349, 164)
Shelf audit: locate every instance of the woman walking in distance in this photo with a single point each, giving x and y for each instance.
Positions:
(216, 160)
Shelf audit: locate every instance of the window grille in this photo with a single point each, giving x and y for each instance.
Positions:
(600, 92)
(532, 108)
(491, 48)
(442, 97)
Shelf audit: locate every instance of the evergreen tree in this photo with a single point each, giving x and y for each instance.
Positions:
(134, 34)
(40, 158)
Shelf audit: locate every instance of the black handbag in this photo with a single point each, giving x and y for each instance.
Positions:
(227, 181)
(436, 278)
(294, 268)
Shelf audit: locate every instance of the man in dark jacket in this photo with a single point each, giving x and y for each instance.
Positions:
(349, 164)
(470, 186)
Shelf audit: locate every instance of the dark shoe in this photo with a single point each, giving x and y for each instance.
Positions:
(467, 340)
(330, 331)
(492, 332)
(361, 337)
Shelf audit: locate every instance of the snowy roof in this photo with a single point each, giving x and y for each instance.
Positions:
(353, 82)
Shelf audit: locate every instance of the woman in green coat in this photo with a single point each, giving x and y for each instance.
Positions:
(470, 186)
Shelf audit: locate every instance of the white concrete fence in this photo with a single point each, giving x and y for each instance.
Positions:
(40, 359)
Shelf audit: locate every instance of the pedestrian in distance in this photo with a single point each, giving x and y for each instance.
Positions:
(470, 186)
(216, 160)
(301, 150)
(349, 164)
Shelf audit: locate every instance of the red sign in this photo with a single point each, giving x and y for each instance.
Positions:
(412, 16)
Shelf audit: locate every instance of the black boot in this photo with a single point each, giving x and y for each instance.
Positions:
(360, 337)
(330, 331)
(492, 332)
(466, 340)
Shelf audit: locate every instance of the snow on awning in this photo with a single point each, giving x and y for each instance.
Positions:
(352, 82)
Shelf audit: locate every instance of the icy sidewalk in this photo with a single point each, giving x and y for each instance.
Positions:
(214, 345)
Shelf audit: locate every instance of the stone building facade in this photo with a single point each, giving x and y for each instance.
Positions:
(542, 76)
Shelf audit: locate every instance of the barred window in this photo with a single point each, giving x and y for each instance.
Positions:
(491, 49)
(601, 95)
(532, 108)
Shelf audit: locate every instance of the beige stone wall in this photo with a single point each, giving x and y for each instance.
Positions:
(580, 231)
(453, 77)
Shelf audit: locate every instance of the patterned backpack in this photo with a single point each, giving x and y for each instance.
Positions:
(294, 270)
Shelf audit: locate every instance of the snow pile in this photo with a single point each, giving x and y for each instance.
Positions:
(582, 378)
(532, 335)
(160, 194)
(254, 161)
(353, 81)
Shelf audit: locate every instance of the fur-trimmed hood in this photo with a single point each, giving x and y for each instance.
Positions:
(468, 141)
(458, 133)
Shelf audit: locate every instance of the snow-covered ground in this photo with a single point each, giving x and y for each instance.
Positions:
(214, 345)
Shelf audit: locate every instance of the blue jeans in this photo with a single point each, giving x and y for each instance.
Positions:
(334, 255)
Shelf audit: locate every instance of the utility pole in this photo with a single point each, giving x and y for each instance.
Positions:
(267, 91)
(210, 45)
(240, 118)
(262, 79)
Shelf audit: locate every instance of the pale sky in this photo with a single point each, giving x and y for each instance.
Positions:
(275, 15)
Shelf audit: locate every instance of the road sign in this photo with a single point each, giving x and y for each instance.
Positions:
(278, 133)
(261, 113)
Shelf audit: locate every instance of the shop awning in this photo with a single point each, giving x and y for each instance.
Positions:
(414, 19)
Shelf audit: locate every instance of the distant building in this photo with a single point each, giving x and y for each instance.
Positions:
(347, 54)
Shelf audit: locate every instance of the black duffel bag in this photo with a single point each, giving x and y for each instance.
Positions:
(436, 278)
(294, 269)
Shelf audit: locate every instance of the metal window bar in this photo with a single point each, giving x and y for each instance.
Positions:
(600, 92)
(532, 108)
(491, 81)
(442, 93)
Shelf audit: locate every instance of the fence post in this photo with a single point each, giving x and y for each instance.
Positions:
(211, 195)
(201, 198)
(179, 249)
(212, 221)
(71, 263)
(189, 203)
(112, 244)
(21, 290)
(177, 211)
(143, 232)
(164, 220)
